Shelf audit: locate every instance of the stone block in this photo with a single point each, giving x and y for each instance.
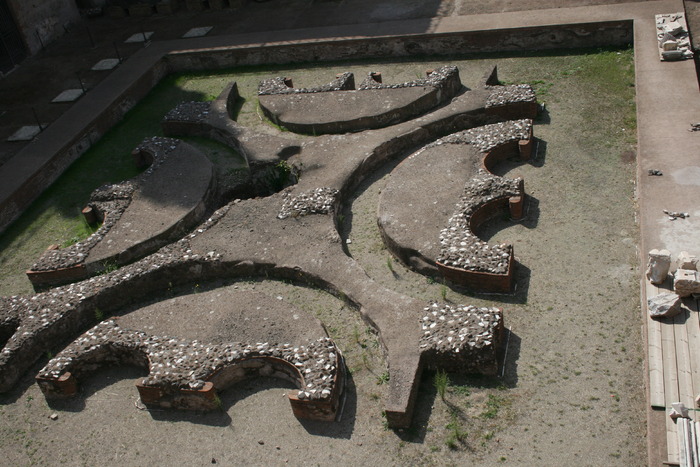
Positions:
(658, 265)
(672, 55)
(669, 45)
(685, 282)
(687, 261)
(673, 28)
(665, 305)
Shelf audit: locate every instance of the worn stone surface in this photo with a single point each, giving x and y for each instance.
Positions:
(246, 238)
(665, 305)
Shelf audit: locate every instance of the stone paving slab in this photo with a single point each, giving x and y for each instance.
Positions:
(106, 64)
(139, 37)
(69, 95)
(26, 133)
(197, 32)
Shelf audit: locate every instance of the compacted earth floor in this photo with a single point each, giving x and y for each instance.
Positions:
(572, 389)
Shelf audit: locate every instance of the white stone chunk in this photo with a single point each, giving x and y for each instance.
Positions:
(685, 282)
(665, 305)
(687, 261)
(658, 266)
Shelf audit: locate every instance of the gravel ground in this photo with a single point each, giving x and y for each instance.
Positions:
(572, 391)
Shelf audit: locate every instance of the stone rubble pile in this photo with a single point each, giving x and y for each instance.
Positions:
(317, 201)
(674, 39)
(344, 82)
(437, 79)
(182, 364)
(189, 112)
(459, 246)
(510, 94)
(60, 309)
(111, 201)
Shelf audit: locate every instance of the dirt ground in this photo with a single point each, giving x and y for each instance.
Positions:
(572, 390)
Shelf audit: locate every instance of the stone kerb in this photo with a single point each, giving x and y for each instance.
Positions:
(186, 374)
(109, 203)
(372, 105)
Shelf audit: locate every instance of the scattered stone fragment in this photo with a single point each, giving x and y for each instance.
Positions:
(658, 265)
(673, 37)
(694, 127)
(655, 172)
(672, 215)
(665, 305)
(53, 416)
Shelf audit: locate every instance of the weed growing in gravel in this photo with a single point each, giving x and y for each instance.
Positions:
(493, 405)
(443, 292)
(441, 381)
(383, 378)
(457, 435)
